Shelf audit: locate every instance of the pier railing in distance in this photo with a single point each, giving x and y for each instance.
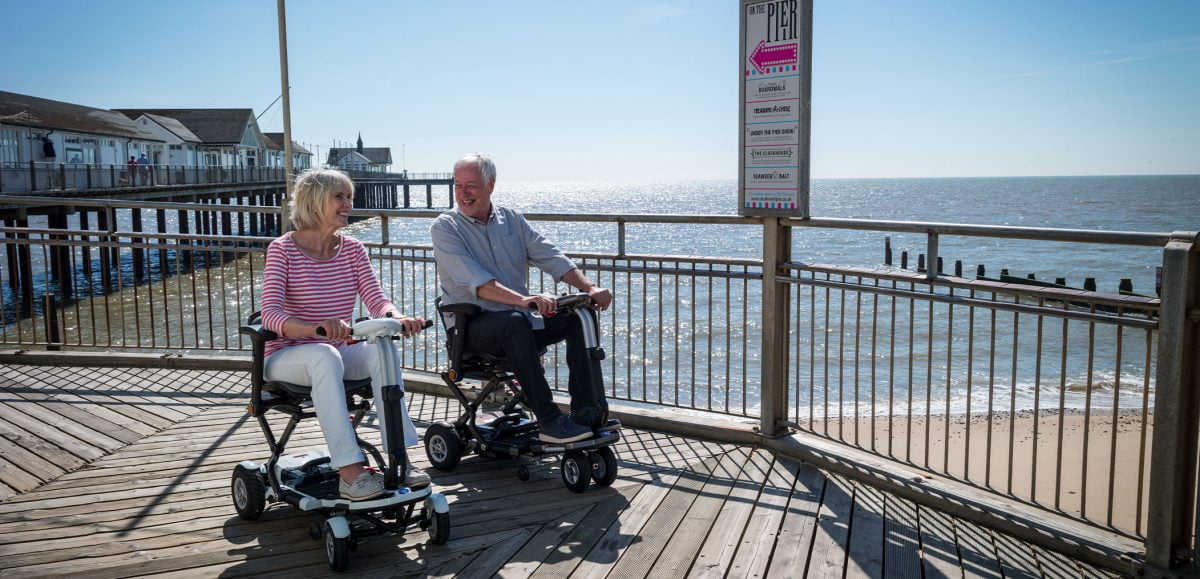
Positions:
(1081, 404)
(39, 177)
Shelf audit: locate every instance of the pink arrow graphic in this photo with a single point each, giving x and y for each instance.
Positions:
(776, 55)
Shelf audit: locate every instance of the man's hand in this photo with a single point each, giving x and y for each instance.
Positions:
(601, 296)
(543, 304)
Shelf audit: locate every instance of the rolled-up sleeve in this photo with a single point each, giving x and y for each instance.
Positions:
(543, 254)
(454, 258)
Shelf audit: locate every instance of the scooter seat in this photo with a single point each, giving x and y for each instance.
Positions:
(360, 387)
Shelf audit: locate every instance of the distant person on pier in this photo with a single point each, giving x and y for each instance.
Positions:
(131, 171)
(483, 253)
(311, 279)
(143, 163)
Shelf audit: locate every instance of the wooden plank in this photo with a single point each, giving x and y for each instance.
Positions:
(865, 558)
(939, 551)
(15, 478)
(640, 556)
(830, 545)
(73, 438)
(487, 563)
(753, 553)
(716, 555)
(583, 538)
(17, 436)
(679, 554)
(1016, 557)
(799, 524)
(902, 538)
(976, 550)
(628, 527)
(541, 544)
(93, 416)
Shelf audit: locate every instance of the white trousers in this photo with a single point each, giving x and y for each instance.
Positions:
(325, 367)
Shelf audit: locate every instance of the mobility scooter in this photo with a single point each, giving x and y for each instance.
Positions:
(510, 432)
(307, 481)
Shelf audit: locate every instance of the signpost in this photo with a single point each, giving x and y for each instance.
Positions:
(775, 70)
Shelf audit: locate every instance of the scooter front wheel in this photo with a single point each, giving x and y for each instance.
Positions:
(337, 550)
(439, 528)
(576, 471)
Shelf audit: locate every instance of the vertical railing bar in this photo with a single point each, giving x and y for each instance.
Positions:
(841, 390)
(825, 364)
(659, 328)
(728, 336)
(813, 351)
(180, 298)
(644, 331)
(744, 326)
(874, 362)
(1114, 420)
(709, 341)
(970, 387)
(991, 412)
(72, 257)
(891, 375)
(857, 335)
(675, 339)
(695, 341)
(208, 289)
(1037, 405)
(912, 324)
(629, 332)
(1062, 403)
(1012, 401)
(949, 376)
(929, 364)
(1087, 417)
(1138, 528)
(195, 294)
(796, 346)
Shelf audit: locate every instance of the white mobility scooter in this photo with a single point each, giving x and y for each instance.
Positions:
(510, 432)
(307, 481)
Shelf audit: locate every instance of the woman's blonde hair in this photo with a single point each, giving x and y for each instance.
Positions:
(311, 190)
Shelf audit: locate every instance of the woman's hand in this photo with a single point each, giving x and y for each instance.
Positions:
(334, 329)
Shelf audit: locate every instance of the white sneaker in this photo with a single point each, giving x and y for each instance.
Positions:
(368, 485)
(416, 478)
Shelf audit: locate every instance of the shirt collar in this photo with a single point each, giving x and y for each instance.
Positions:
(494, 216)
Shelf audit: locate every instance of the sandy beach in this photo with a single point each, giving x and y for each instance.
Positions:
(1072, 472)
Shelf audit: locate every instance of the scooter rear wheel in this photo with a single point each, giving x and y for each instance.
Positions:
(439, 528)
(443, 446)
(604, 466)
(249, 493)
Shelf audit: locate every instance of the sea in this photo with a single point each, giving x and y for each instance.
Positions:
(1157, 203)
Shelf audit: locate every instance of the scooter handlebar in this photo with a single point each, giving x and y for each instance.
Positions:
(569, 301)
(428, 324)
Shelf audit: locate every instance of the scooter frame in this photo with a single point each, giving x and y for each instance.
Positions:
(347, 522)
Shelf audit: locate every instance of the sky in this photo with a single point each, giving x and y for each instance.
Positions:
(634, 91)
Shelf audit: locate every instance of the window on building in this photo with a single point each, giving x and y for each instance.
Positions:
(10, 147)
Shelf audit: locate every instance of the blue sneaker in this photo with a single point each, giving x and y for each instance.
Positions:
(561, 429)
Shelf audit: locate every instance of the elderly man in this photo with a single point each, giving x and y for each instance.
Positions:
(483, 253)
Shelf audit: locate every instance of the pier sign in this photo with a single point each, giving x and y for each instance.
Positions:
(775, 73)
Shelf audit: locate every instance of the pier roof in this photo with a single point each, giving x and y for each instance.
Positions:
(276, 143)
(377, 155)
(39, 113)
(212, 126)
(177, 128)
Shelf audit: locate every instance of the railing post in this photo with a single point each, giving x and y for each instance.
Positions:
(53, 336)
(931, 268)
(1172, 496)
(777, 250)
(32, 177)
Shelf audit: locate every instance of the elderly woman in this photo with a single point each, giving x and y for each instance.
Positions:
(312, 277)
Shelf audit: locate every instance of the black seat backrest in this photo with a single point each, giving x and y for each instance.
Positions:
(455, 318)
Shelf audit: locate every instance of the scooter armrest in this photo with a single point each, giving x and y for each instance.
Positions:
(457, 331)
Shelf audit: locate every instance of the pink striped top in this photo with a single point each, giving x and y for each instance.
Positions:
(298, 286)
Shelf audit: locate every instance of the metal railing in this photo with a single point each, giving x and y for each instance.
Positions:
(35, 177)
(1052, 397)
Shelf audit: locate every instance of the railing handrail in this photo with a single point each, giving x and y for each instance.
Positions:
(1137, 238)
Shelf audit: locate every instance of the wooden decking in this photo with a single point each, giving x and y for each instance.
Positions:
(113, 473)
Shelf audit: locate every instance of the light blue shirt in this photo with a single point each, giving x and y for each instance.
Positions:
(470, 253)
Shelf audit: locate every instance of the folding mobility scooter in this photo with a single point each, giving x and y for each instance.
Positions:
(510, 432)
(307, 481)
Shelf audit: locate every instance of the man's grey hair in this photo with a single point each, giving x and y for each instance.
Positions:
(481, 160)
